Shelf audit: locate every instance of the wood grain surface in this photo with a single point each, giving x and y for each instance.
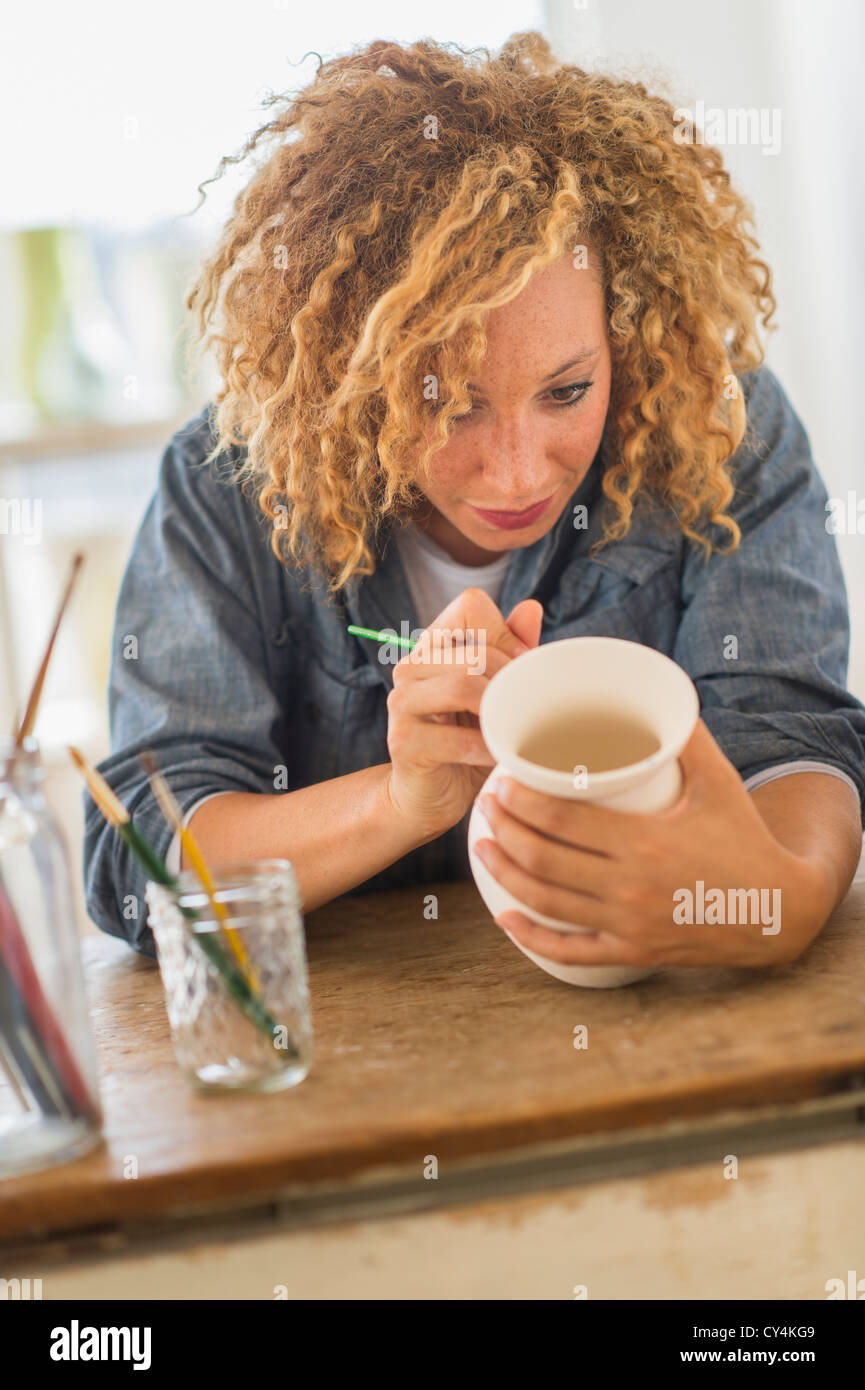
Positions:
(438, 1037)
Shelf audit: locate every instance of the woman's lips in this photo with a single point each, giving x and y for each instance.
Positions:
(513, 521)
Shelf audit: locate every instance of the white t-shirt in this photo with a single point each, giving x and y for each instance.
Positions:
(435, 579)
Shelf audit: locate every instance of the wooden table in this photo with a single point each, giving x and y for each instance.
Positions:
(448, 1106)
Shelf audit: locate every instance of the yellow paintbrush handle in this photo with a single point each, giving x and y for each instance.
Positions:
(190, 844)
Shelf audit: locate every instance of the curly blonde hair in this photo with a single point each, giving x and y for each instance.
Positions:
(411, 190)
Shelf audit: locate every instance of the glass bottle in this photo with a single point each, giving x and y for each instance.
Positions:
(49, 1096)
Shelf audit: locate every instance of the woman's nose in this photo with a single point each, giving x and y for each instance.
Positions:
(516, 477)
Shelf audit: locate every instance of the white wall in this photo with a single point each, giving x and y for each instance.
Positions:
(116, 115)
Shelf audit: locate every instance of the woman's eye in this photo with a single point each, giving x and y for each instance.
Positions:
(581, 387)
(573, 394)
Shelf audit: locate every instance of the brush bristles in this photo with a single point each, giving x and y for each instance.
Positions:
(168, 803)
(109, 804)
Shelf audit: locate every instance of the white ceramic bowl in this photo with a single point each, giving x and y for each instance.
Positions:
(583, 672)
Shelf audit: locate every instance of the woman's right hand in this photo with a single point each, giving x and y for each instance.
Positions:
(439, 760)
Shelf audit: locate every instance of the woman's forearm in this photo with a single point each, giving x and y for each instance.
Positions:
(337, 834)
(816, 816)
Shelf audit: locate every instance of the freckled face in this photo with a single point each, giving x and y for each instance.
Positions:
(535, 422)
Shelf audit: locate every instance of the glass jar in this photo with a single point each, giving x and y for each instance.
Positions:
(49, 1093)
(235, 979)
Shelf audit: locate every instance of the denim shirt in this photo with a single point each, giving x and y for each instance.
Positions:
(232, 666)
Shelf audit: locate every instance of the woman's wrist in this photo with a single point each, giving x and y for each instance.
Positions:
(418, 832)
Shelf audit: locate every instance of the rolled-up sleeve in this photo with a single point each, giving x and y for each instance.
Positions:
(189, 676)
(764, 631)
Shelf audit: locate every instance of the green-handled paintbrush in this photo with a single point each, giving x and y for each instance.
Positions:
(375, 636)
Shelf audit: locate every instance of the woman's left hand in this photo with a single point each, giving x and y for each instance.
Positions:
(627, 876)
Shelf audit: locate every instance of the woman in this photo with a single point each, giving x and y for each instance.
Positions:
(466, 289)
